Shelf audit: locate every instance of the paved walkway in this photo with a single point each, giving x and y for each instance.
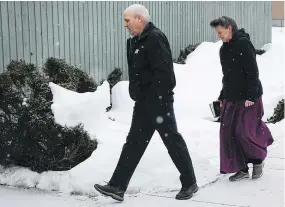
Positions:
(267, 191)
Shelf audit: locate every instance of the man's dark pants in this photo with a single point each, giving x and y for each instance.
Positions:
(148, 116)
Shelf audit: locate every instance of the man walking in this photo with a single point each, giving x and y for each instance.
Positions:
(152, 81)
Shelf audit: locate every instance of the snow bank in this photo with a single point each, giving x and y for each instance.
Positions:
(71, 108)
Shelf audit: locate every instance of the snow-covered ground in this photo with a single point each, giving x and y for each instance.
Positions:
(156, 180)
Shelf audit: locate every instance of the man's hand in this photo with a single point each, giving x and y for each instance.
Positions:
(248, 103)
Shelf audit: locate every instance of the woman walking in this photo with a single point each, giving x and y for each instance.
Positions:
(244, 137)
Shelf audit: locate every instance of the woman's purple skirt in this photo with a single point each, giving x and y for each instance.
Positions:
(243, 135)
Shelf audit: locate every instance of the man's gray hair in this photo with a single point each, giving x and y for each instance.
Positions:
(139, 10)
(224, 21)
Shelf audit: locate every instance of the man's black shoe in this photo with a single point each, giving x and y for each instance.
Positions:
(111, 191)
(187, 192)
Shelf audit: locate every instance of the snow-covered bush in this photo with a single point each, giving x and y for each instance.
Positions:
(69, 77)
(278, 114)
(29, 136)
(113, 78)
(184, 53)
(260, 52)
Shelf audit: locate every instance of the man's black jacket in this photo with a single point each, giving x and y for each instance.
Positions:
(150, 65)
(241, 76)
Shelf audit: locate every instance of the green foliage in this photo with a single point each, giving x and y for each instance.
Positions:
(278, 114)
(29, 136)
(69, 77)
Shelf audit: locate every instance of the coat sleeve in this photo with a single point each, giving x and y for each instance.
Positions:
(161, 64)
(221, 96)
(134, 85)
(249, 64)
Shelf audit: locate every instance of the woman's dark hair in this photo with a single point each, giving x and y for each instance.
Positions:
(224, 21)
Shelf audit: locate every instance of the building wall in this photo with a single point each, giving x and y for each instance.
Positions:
(278, 13)
(91, 35)
(277, 9)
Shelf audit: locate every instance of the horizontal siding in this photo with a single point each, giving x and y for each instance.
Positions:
(91, 36)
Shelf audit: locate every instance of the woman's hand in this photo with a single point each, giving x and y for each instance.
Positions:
(248, 103)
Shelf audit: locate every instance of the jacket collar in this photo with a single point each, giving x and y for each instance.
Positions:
(238, 34)
(234, 37)
(147, 29)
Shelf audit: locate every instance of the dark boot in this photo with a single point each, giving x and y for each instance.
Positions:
(187, 192)
(239, 175)
(111, 191)
(257, 171)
